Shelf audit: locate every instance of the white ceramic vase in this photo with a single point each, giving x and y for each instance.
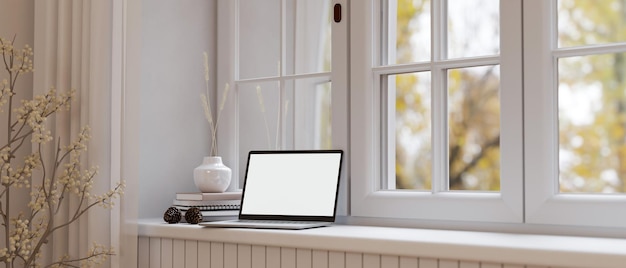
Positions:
(212, 176)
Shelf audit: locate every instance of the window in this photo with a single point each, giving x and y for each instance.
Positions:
(591, 97)
(574, 88)
(465, 69)
(286, 77)
(511, 113)
(456, 131)
(440, 92)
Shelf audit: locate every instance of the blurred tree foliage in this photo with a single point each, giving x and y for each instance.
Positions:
(473, 113)
(413, 168)
(593, 145)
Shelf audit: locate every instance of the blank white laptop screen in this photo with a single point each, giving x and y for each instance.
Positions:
(291, 184)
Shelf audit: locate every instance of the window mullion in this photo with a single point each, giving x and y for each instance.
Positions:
(439, 30)
(388, 140)
(283, 39)
(388, 93)
(388, 42)
(281, 69)
(439, 98)
(439, 130)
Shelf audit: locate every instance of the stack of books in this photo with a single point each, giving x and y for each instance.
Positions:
(213, 206)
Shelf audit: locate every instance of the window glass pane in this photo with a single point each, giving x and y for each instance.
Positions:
(408, 31)
(474, 134)
(258, 113)
(309, 113)
(293, 119)
(259, 38)
(584, 22)
(413, 146)
(308, 27)
(592, 124)
(473, 31)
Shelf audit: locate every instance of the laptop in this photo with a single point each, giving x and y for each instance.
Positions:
(294, 189)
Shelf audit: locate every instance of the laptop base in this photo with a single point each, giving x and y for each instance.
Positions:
(257, 224)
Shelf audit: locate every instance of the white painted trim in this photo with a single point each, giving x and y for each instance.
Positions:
(511, 108)
(363, 159)
(590, 50)
(283, 78)
(540, 250)
(227, 59)
(118, 42)
(130, 101)
(340, 97)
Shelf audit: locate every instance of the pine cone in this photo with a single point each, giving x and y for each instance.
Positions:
(193, 215)
(172, 215)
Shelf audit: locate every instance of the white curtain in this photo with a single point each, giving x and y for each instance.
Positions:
(80, 44)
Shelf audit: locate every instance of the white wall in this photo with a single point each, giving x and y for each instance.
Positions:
(173, 131)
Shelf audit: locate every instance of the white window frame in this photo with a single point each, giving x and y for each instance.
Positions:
(367, 197)
(529, 169)
(544, 203)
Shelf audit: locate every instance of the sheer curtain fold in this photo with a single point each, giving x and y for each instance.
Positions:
(74, 42)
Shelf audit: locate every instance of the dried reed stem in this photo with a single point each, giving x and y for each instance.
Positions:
(206, 105)
(259, 95)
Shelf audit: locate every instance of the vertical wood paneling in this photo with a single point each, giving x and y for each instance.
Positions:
(258, 256)
(166, 253)
(230, 255)
(272, 257)
(470, 264)
(287, 258)
(204, 254)
(336, 259)
(191, 254)
(244, 256)
(155, 252)
(428, 263)
(178, 253)
(387, 261)
(320, 259)
(408, 262)
(304, 258)
(490, 265)
(448, 264)
(143, 252)
(217, 254)
(371, 261)
(354, 260)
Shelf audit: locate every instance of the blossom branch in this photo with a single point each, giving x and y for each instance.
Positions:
(26, 235)
(96, 252)
(259, 95)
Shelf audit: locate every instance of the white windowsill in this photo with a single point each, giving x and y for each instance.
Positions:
(541, 250)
